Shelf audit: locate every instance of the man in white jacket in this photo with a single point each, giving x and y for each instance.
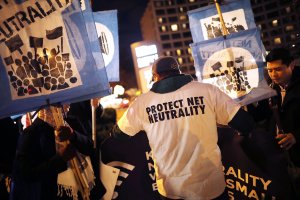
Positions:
(180, 117)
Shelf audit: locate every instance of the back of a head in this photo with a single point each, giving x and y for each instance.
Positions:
(282, 54)
(109, 116)
(165, 66)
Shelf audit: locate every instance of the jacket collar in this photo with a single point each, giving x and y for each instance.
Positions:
(171, 83)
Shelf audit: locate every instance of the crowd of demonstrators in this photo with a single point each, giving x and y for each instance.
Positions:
(38, 160)
(180, 117)
(8, 144)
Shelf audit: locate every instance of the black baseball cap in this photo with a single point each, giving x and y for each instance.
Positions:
(165, 64)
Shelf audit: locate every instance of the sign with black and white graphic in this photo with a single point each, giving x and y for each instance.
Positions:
(37, 62)
(234, 22)
(205, 22)
(234, 64)
(107, 28)
(45, 55)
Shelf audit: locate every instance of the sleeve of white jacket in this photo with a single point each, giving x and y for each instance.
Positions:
(225, 107)
(230, 113)
(130, 120)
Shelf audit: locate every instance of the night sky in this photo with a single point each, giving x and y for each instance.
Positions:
(129, 15)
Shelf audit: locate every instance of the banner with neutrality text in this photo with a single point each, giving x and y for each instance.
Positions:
(46, 56)
(254, 167)
(234, 64)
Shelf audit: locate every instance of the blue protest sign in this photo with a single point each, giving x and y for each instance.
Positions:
(46, 56)
(93, 36)
(205, 22)
(234, 64)
(107, 29)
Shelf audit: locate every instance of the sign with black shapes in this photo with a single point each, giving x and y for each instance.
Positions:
(234, 64)
(106, 23)
(46, 56)
(14, 44)
(205, 22)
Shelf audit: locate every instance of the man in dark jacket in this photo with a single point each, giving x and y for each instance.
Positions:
(285, 78)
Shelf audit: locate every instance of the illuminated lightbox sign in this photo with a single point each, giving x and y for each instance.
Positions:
(146, 55)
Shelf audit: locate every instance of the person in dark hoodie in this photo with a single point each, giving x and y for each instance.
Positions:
(180, 117)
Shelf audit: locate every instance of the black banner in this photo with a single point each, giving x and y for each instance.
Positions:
(137, 181)
(254, 167)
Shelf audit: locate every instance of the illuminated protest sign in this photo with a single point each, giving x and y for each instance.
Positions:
(234, 64)
(45, 56)
(205, 22)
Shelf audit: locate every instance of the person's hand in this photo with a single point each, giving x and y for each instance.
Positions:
(64, 133)
(286, 140)
(95, 102)
(66, 151)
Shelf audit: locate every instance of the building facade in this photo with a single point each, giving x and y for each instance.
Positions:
(279, 22)
(166, 23)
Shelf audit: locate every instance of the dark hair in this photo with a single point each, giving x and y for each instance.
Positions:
(165, 65)
(282, 54)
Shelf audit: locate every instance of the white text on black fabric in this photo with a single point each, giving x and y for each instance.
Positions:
(176, 109)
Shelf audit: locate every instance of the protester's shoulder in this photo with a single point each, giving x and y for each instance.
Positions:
(145, 95)
(202, 85)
